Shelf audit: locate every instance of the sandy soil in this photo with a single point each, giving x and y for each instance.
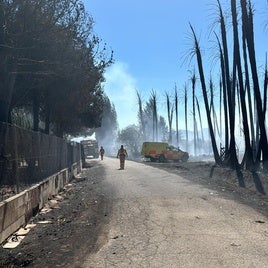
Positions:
(75, 225)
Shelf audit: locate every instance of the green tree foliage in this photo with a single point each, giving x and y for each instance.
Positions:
(57, 63)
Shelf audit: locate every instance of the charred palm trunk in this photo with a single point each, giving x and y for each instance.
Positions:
(248, 158)
(177, 115)
(198, 147)
(204, 90)
(230, 151)
(170, 117)
(247, 81)
(193, 80)
(200, 121)
(141, 117)
(212, 108)
(155, 119)
(263, 145)
(224, 95)
(186, 117)
(220, 109)
(265, 87)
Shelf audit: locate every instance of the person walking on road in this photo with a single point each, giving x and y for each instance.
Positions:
(102, 151)
(122, 154)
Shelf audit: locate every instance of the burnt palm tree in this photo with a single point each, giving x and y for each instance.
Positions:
(193, 81)
(247, 13)
(200, 121)
(141, 116)
(230, 151)
(186, 116)
(247, 81)
(170, 111)
(205, 97)
(248, 157)
(265, 88)
(155, 117)
(212, 107)
(224, 95)
(177, 115)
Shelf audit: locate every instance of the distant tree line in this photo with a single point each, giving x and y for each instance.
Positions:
(51, 66)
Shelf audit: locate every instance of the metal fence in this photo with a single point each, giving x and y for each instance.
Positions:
(27, 157)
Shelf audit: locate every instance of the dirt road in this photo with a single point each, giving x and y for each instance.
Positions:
(162, 220)
(144, 217)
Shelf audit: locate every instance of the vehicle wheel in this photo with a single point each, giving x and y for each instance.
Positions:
(185, 158)
(152, 159)
(162, 158)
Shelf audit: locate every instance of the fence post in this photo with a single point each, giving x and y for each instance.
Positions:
(15, 161)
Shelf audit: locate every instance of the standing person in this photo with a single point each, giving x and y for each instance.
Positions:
(102, 151)
(122, 154)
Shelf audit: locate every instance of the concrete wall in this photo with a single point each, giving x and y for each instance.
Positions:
(17, 210)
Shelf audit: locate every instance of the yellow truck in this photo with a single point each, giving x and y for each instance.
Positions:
(162, 152)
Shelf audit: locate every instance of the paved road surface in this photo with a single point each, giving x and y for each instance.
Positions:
(162, 220)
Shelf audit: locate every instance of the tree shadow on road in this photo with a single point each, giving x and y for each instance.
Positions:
(240, 178)
(258, 183)
(212, 171)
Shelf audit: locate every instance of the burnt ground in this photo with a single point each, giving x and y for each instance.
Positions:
(75, 226)
(63, 236)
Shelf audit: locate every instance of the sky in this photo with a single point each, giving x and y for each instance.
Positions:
(152, 44)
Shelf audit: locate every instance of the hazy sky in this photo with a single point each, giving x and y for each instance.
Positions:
(151, 40)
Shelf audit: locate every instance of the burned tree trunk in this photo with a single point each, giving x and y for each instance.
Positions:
(263, 145)
(204, 90)
(248, 158)
(170, 111)
(186, 117)
(230, 151)
(141, 117)
(177, 115)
